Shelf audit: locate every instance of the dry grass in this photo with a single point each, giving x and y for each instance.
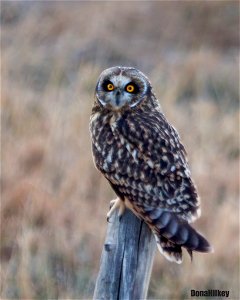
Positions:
(54, 202)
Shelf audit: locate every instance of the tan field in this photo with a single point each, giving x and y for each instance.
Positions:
(54, 201)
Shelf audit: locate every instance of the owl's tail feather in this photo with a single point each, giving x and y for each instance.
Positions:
(168, 249)
(172, 233)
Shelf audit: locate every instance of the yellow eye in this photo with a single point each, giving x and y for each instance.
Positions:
(130, 88)
(110, 87)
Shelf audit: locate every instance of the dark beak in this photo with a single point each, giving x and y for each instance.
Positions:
(118, 94)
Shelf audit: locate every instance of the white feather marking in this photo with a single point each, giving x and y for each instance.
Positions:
(128, 147)
(150, 163)
(148, 188)
(134, 154)
(94, 117)
(109, 156)
(171, 258)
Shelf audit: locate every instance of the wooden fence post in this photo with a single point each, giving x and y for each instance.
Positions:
(126, 260)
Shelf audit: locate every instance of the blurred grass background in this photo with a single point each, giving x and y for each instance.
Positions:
(54, 202)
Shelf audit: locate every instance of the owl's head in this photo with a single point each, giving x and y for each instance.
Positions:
(122, 87)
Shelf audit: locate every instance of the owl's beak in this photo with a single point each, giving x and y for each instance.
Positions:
(117, 98)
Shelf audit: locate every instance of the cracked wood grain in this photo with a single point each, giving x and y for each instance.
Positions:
(126, 261)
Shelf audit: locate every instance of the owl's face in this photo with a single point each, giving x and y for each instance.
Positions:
(122, 87)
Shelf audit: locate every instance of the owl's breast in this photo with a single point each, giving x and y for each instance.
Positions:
(108, 151)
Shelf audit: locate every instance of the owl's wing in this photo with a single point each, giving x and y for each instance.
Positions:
(154, 171)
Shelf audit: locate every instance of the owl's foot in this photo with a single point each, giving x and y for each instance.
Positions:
(116, 203)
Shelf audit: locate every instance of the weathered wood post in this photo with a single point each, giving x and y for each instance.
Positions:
(126, 260)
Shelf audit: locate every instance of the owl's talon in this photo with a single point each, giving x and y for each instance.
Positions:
(112, 203)
(116, 203)
(108, 218)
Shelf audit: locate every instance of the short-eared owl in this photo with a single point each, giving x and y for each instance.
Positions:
(141, 156)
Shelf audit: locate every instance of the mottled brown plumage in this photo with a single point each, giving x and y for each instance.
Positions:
(141, 155)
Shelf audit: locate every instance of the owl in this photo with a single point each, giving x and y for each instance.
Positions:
(140, 154)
